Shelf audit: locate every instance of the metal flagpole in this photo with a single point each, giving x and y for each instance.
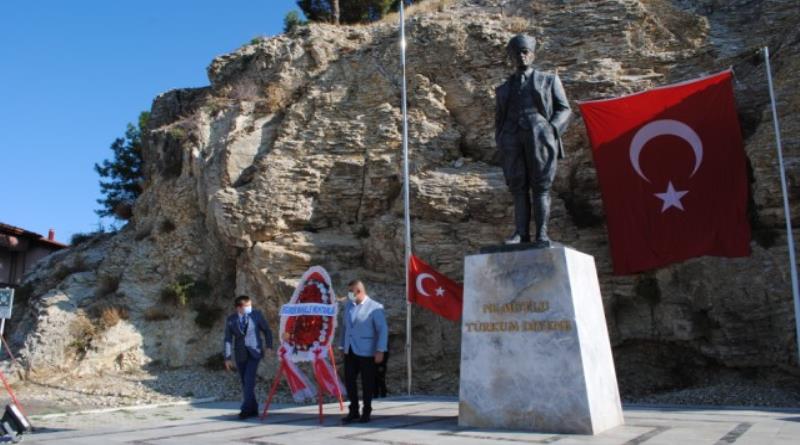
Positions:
(406, 208)
(789, 235)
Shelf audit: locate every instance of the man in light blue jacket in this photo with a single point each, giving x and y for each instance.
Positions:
(365, 338)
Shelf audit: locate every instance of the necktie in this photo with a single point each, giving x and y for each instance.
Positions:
(243, 324)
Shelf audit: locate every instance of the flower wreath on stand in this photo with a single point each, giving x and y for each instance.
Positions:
(308, 323)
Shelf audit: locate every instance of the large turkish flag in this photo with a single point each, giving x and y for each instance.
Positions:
(434, 291)
(672, 173)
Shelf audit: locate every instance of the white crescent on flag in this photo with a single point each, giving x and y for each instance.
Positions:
(664, 127)
(420, 279)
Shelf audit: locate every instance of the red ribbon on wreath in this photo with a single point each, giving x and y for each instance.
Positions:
(298, 382)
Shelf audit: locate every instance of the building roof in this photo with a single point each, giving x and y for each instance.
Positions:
(7, 229)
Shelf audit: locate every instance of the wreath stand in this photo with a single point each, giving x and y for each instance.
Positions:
(314, 303)
(277, 380)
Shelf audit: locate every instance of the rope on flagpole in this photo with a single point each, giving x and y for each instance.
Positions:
(406, 209)
(789, 235)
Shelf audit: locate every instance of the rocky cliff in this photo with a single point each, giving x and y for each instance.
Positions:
(292, 157)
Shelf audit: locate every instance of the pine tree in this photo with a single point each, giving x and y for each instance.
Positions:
(121, 177)
(292, 20)
(350, 11)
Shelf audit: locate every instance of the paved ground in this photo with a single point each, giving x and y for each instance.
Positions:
(404, 420)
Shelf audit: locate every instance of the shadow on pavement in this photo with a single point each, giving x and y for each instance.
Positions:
(45, 430)
(791, 419)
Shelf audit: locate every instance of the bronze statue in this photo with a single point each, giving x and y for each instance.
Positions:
(531, 115)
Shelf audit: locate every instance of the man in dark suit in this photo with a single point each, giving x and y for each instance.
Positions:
(243, 344)
(531, 115)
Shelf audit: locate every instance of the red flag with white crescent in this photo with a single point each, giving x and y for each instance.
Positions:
(672, 172)
(434, 291)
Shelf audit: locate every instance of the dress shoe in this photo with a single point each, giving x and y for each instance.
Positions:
(246, 415)
(542, 242)
(351, 417)
(365, 418)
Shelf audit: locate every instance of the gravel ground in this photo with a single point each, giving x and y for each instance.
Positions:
(172, 385)
(727, 394)
(726, 387)
(113, 390)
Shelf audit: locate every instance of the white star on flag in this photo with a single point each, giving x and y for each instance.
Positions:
(671, 198)
(439, 291)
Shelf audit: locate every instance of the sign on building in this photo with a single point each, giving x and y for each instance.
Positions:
(6, 301)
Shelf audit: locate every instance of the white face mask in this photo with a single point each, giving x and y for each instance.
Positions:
(351, 296)
(248, 309)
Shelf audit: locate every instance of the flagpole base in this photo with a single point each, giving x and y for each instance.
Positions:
(535, 351)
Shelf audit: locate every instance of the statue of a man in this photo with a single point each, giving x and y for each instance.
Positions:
(531, 115)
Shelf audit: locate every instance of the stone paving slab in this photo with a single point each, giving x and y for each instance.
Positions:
(404, 421)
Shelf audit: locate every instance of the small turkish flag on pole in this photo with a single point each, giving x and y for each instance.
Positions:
(672, 172)
(434, 291)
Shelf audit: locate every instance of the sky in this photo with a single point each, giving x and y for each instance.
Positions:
(74, 73)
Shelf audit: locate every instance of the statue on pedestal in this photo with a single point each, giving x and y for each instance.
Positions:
(532, 113)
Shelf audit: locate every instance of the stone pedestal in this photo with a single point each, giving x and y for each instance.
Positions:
(535, 353)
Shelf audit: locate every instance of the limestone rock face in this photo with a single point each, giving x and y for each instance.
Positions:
(292, 157)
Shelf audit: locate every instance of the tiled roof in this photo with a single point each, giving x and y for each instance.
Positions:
(8, 229)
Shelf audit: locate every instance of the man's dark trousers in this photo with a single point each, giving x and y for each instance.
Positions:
(529, 165)
(247, 372)
(354, 365)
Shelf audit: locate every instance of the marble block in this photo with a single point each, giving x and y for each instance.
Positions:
(535, 353)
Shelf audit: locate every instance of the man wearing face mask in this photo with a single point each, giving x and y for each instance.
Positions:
(531, 115)
(364, 341)
(243, 344)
